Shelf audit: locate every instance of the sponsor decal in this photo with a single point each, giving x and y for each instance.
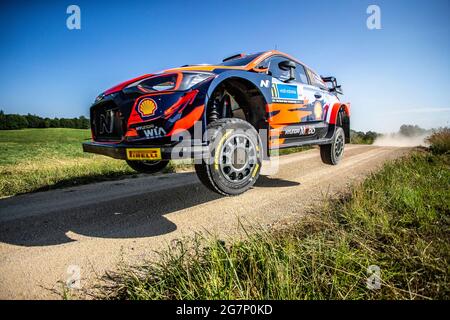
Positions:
(146, 126)
(154, 132)
(299, 131)
(144, 154)
(286, 93)
(147, 107)
(318, 110)
(151, 131)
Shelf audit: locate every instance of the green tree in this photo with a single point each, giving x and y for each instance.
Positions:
(84, 122)
(409, 130)
(46, 123)
(33, 121)
(2, 120)
(15, 121)
(54, 123)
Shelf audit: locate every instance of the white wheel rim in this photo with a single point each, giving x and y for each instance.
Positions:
(237, 159)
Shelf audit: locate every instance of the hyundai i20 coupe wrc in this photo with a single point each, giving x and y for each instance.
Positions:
(228, 117)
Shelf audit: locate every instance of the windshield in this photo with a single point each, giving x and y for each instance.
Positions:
(241, 61)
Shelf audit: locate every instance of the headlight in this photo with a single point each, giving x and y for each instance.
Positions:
(170, 81)
(191, 79)
(100, 97)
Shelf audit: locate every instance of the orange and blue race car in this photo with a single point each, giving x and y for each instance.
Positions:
(228, 117)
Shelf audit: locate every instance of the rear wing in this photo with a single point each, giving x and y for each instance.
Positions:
(332, 85)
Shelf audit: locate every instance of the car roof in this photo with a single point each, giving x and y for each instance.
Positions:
(223, 65)
(259, 57)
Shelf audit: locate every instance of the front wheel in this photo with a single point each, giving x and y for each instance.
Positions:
(333, 153)
(148, 166)
(234, 160)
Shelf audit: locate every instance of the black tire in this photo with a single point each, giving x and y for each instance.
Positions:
(150, 166)
(333, 153)
(234, 160)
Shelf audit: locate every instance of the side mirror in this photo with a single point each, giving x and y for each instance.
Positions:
(288, 65)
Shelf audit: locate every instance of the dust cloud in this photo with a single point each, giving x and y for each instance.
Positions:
(399, 140)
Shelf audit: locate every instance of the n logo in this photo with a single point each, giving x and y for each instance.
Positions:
(264, 83)
(106, 122)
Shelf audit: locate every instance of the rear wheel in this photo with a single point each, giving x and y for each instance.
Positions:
(333, 153)
(148, 166)
(234, 159)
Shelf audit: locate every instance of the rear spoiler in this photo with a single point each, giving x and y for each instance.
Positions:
(335, 88)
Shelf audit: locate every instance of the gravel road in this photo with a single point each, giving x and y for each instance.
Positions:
(98, 226)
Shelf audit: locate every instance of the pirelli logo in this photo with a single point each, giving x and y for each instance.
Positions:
(144, 154)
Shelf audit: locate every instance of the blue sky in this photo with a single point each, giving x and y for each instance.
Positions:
(399, 74)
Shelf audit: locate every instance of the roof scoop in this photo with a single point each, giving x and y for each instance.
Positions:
(235, 56)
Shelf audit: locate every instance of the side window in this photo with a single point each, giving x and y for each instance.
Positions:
(264, 64)
(275, 71)
(316, 80)
(300, 74)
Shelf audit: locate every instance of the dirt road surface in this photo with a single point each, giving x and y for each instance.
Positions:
(95, 227)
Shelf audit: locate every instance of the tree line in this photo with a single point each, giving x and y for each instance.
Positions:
(409, 130)
(18, 121)
(359, 137)
(406, 130)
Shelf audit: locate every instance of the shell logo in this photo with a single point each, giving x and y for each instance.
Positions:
(318, 110)
(147, 107)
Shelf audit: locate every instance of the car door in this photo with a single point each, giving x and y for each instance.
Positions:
(318, 97)
(288, 110)
(314, 96)
(287, 95)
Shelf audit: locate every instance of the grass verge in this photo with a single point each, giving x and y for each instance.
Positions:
(42, 159)
(439, 141)
(397, 220)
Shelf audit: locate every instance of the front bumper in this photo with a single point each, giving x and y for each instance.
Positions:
(168, 152)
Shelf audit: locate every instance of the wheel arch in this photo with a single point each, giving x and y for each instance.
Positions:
(252, 93)
(251, 86)
(340, 116)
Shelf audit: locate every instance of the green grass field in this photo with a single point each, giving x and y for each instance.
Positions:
(40, 159)
(397, 219)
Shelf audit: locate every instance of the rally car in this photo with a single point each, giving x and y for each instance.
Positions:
(228, 117)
